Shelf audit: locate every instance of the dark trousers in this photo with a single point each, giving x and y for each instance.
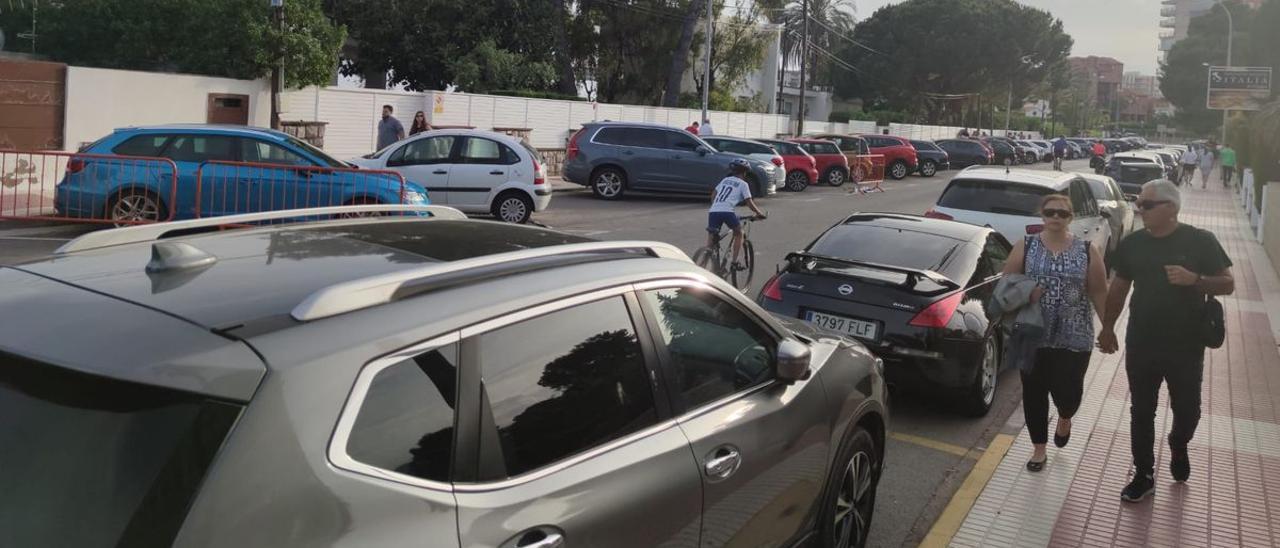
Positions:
(1183, 373)
(1056, 372)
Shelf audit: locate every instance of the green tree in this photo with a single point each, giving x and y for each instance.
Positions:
(1183, 76)
(998, 48)
(737, 49)
(831, 23)
(232, 38)
(487, 68)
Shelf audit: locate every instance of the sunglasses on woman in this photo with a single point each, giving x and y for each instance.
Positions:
(1056, 213)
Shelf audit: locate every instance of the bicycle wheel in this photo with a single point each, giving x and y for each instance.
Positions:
(741, 279)
(706, 258)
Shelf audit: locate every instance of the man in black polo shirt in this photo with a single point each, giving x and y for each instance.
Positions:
(1171, 267)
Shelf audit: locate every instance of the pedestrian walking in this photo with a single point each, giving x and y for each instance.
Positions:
(1207, 161)
(1171, 267)
(964, 132)
(1227, 157)
(390, 129)
(419, 124)
(1070, 288)
(1189, 160)
(693, 128)
(706, 128)
(1059, 152)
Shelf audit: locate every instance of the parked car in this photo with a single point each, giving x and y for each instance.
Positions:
(1112, 201)
(1044, 150)
(832, 165)
(613, 158)
(1003, 152)
(1085, 146)
(966, 152)
(1027, 153)
(912, 289)
(130, 191)
(438, 381)
(752, 149)
(856, 151)
(1074, 151)
(900, 157)
(1133, 172)
(1008, 200)
(931, 157)
(801, 167)
(471, 170)
(1168, 165)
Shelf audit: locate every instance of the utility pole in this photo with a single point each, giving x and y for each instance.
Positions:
(706, 76)
(1230, 31)
(35, 7)
(804, 58)
(277, 70)
(1008, 107)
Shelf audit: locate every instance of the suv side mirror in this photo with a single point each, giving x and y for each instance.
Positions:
(793, 361)
(1105, 214)
(702, 150)
(1130, 197)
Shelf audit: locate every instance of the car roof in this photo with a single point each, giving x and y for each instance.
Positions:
(610, 123)
(267, 272)
(495, 135)
(810, 140)
(900, 221)
(1056, 180)
(1136, 154)
(222, 129)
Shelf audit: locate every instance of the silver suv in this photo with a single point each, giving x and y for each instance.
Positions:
(404, 381)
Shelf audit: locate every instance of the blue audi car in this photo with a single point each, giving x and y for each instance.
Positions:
(126, 176)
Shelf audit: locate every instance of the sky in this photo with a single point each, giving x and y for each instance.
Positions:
(1127, 30)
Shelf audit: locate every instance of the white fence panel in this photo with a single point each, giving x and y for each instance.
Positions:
(581, 113)
(352, 118)
(300, 105)
(549, 120)
(480, 111)
(632, 113)
(608, 112)
(737, 124)
(861, 126)
(456, 110)
(509, 112)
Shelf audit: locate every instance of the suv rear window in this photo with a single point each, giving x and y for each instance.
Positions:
(121, 461)
(999, 197)
(141, 145)
(631, 136)
(890, 246)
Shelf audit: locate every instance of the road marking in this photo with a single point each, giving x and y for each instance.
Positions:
(931, 444)
(958, 509)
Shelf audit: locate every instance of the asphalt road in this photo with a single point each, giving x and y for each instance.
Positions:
(931, 447)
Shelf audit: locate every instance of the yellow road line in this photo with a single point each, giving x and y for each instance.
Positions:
(953, 515)
(931, 444)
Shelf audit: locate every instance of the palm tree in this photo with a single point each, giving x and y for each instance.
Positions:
(828, 21)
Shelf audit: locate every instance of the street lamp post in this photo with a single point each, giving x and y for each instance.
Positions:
(1230, 33)
(277, 69)
(706, 76)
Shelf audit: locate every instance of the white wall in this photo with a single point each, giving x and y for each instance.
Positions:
(101, 100)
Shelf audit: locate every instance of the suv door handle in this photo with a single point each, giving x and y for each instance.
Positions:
(723, 462)
(538, 537)
(628, 153)
(440, 172)
(497, 172)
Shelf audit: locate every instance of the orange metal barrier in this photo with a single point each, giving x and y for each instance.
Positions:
(96, 188)
(228, 188)
(867, 171)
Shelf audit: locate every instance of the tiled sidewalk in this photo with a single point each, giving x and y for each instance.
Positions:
(1233, 496)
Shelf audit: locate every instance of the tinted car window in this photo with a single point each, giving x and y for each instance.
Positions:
(888, 246)
(432, 150)
(611, 136)
(93, 462)
(405, 423)
(485, 151)
(253, 150)
(996, 251)
(924, 145)
(681, 141)
(993, 197)
(714, 349)
(563, 383)
(1081, 199)
(141, 145)
(201, 148)
(1100, 189)
(633, 137)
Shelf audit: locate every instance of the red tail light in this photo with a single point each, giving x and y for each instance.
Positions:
(571, 151)
(1035, 229)
(539, 176)
(75, 165)
(773, 288)
(935, 214)
(939, 313)
(777, 161)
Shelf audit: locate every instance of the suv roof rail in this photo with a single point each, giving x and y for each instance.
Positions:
(156, 231)
(372, 291)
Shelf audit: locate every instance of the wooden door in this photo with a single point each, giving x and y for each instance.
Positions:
(228, 108)
(32, 94)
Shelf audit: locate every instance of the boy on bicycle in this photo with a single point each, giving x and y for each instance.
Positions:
(731, 191)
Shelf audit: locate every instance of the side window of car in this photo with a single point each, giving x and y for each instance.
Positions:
(714, 349)
(405, 420)
(141, 145)
(432, 150)
(996, 251)
(561, 384)
(1081, 199)
(253, 150)
(610, 136)
(201, 148)
(683, 141)
(477, 150)
(830, 149)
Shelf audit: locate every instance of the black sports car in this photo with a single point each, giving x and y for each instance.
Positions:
(912, 289)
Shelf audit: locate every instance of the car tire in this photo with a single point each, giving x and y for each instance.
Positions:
(133, 206)
(512, 206)
(797, 181)
(835, 176)
(849, 501)
(981, 393)
(608, 183)
(898, 170)
(928, 168)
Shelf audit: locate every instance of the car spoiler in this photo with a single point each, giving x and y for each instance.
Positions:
(913, 274)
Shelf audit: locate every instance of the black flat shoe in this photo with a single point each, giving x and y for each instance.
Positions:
(1061, 441)
(1034, 466)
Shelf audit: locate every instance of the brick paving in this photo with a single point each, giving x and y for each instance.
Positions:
(1233, 495)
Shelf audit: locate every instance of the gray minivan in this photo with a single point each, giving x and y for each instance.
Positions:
(613, 158)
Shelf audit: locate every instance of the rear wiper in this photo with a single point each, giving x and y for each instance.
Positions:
(945, 257)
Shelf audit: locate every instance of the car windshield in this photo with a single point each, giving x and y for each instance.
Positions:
(121, 461)
(324, 157)
(887, 246)
(1000, 197)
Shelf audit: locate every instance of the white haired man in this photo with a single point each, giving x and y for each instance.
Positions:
(1171, 267)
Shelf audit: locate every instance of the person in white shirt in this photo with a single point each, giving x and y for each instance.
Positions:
(725, 198)
(705, 129)
(1208, 158)
(1189, 160)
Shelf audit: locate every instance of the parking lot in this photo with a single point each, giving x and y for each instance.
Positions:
(931, 447)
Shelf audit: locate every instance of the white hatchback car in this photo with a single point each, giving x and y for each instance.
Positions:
(1008, 200)
(751, 149)
(471, 170)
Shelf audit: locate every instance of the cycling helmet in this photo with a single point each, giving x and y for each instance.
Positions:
(739, 164)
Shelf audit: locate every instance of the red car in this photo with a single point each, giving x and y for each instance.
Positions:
(899, 156)
(831, 164)
(802, 168)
